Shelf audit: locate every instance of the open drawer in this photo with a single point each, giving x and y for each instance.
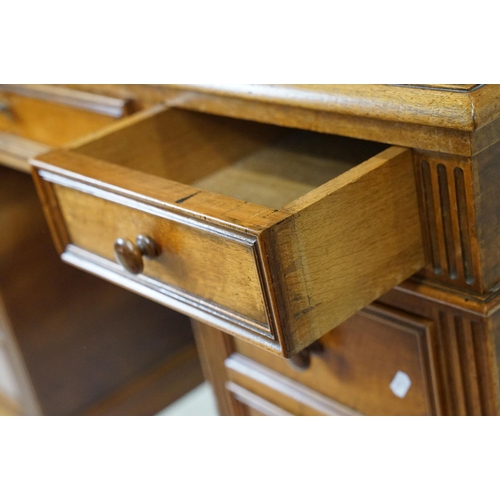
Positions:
(274, 235)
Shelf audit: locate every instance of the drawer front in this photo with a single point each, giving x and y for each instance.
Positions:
(260, 391)
(278, 277)
(197, 262)
(54, 115)
(376, 363)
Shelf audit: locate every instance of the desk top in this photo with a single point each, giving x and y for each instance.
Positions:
(460, 107)
(462, 119)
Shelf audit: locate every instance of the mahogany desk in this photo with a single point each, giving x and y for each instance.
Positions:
(352, 229)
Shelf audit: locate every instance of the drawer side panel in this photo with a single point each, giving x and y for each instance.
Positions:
(344, 245)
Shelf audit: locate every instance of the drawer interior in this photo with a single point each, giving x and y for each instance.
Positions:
(253, 162)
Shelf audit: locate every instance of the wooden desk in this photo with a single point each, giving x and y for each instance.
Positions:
(427, 346)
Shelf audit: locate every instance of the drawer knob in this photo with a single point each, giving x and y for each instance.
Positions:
(130, 256)
(302, 360)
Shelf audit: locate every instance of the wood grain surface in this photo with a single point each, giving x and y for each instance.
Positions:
(456, 119)
(34, 118)
(344, 244)
(199, 261)
(226, 249)
(386, 102)
(359, 361)
(454, 129)
(47, 122)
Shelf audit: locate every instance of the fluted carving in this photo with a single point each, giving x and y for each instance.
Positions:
(461, 363)
(449, 221)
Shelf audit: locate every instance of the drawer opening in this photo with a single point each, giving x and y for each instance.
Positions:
(273, 234)
(253, 162)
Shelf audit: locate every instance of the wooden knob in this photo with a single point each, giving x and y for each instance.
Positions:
(302, 360)
(130, 256)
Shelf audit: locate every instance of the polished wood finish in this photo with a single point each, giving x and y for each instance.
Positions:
(463, 346)
(96, 102)
(328, 274)
(401, 107)
(54, 115)
(450, 354)
(443, 322)
(254, 386)
(406, 103)
(190, 261)
(473, 107)
(226, 259)
(460, 120)
(361, 358)
(459, 206)
(449, 219)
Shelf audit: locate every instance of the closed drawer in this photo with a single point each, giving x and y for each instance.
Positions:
(260, 391)
(34, 118)
(273, 235)
(376, 363)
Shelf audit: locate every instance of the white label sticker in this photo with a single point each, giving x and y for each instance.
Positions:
(400, 384)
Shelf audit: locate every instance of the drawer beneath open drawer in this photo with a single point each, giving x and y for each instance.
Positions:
(271, 234)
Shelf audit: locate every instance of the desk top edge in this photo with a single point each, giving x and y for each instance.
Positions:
(461, 107)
